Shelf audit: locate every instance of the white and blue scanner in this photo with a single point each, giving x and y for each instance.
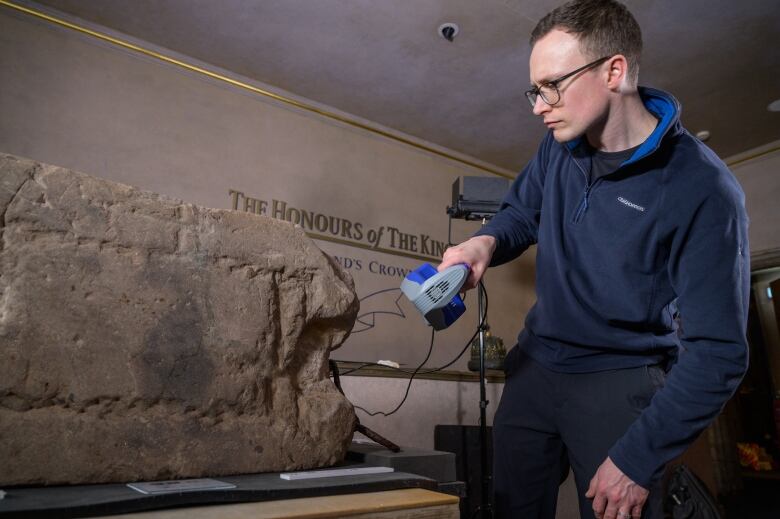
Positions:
(435, 294)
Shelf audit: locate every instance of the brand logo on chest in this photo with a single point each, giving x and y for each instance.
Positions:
(631, 204)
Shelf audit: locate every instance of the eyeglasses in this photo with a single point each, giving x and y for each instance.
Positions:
(549, 89)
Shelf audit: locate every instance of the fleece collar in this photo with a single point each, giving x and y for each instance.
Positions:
(666, 108)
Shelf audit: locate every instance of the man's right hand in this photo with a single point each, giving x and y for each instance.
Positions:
(474, 252)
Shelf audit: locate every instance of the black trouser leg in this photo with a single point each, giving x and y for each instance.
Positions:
(528, 452)
(544, 416)
(598, 410)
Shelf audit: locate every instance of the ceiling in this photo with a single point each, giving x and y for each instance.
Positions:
(384, 61)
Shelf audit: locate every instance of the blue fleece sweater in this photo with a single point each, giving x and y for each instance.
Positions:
(620, 258)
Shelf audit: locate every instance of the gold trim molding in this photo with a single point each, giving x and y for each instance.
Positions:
(287, 100)
(733, 162)
(764, 259)
(246, 86)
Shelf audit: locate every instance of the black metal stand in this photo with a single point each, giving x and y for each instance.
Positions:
(485, 506)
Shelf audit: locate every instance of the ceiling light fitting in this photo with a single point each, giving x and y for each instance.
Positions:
(449, 30)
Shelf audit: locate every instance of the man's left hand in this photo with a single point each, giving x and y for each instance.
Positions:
(615, 495)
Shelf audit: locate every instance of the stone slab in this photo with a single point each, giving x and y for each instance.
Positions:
(144, 338)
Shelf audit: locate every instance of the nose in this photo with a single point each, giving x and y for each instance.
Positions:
(540, 107)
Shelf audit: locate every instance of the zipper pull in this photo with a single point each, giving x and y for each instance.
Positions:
(582, 208)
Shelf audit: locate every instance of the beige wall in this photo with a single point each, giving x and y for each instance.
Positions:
(758, 171)
(72, 100)
(760, 179)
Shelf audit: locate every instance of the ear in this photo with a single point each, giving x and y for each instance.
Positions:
(617, 71)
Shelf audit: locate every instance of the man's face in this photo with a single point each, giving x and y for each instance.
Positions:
(583, 101)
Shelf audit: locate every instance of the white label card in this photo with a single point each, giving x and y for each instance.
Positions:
(332, 473)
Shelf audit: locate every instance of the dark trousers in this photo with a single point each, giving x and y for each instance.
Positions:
(547, 421)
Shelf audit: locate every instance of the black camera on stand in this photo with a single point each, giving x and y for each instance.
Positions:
(477, 198)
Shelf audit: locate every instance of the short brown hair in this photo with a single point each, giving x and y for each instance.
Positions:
(603, 28)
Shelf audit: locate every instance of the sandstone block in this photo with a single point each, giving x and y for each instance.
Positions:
(144, 338)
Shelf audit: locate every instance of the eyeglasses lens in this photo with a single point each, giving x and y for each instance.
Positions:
(549, 93)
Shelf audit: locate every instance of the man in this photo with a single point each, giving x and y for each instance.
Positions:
(637, 337)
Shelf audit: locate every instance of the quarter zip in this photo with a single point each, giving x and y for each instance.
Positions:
(583, 207)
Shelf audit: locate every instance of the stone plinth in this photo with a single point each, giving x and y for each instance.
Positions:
(143, 338)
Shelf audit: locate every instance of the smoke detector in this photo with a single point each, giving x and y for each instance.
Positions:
(449, 30)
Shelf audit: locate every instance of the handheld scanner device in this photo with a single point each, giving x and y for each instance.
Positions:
(435, 294)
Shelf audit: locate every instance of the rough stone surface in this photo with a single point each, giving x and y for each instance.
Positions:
(142, 338)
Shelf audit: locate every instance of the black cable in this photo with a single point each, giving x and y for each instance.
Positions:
(409, 385)
(481, 287)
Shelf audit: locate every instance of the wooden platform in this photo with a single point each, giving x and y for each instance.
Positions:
(412, 503)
